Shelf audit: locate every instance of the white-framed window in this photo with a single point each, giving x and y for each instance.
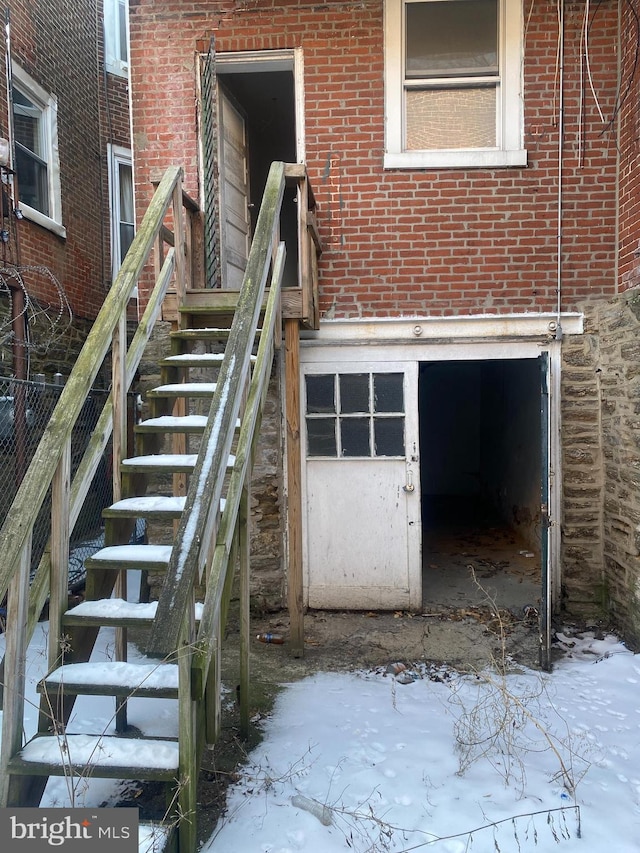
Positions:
(116, 36)
(453, 84)
(355, 415)
(37, 165)
(121, 204)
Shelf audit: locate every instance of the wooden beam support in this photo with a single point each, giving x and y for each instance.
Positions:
(294, 487)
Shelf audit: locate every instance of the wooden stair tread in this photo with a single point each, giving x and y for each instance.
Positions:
(101, 756)
(183, 389)
(165, 462)
(147, 506)
(113, 678)
(114, 613)
(130, 557)
(205, 333)
(172, 462)
(172, 423)
(195, 359)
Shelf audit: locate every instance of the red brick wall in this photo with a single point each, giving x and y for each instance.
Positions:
(55, 42)
(429, 242)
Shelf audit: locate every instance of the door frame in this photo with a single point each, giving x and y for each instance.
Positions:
(264, 61)
(421, 339)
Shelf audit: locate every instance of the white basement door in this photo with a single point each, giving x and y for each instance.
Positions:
(362, 491)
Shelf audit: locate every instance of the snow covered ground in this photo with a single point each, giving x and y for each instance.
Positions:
(364, 762)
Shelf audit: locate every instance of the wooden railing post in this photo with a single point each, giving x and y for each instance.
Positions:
(304, 260)
(119, 445)
(60, 535)
(187, 737)
(178, 230)
(50, 706)
(15, 663)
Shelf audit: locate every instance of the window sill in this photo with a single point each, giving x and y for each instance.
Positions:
(118, 69)
(34, 215)
(455, 159)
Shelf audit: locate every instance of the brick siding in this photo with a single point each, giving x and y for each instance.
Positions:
(420, 242)
(57, 44)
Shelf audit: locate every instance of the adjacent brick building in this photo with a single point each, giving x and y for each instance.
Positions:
(67, 113)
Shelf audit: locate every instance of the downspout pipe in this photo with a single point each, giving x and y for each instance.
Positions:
(558, 332)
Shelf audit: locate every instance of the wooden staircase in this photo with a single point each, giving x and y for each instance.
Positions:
(189, 482)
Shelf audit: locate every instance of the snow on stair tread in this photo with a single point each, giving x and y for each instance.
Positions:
(150, 503)
(168, 460)
(117, 674)
(118, 608)
(178, 333)
(176, 421)
(156, 554)
(101, 751)
(184, 388)
(204, 357)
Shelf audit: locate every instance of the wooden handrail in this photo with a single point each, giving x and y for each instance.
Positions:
(211, 610)
(195, 533)
(24, 511)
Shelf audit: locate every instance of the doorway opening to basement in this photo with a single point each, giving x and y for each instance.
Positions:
(483, 474)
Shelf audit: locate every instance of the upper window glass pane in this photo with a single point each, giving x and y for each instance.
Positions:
(354, 392)
(123, 45)
(30, 163)
(27, 118)
(453, 38)
(321, 394)
(126, 223)
(388, 392)
(116, 34)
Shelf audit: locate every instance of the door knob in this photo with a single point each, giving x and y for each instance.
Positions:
(408, 486)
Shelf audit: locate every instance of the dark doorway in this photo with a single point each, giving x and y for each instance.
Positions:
(268, 100)
(480, 437)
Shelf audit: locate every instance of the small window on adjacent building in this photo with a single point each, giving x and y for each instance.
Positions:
(116, 36)
(355, 415)
(453, 71)
(122, 208)
(35, 131)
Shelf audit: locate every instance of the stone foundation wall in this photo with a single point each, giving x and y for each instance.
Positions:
(601, 459)
(582, 476)
(619, 366)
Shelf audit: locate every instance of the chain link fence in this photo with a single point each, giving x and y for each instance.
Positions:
(25, 410)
